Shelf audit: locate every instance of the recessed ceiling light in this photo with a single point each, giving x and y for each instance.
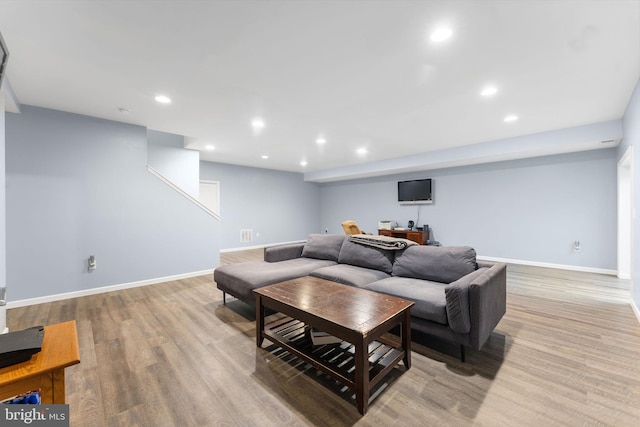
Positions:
(264, 157)
(123, 110)
(441, 34)
(209, 147)
(361, 151)
(511, 118)
(489, 91)
(257, 123)
(321, 140)
(303, 163)
(163, 99)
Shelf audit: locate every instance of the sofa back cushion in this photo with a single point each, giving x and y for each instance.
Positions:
(323, 246)
(444, 264)
(366, 256)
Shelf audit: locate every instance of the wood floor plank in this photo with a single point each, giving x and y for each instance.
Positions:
(83, 389)
(566, 353)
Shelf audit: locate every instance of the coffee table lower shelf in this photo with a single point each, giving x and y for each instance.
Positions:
(336, 360)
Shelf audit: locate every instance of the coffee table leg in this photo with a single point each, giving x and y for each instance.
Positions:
(259, 320)
(406, 338)
(362, 376)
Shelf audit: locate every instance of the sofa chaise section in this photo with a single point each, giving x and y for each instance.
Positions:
(239, 280)
(281, 262)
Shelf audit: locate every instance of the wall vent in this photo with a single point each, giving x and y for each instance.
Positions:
(246, 235)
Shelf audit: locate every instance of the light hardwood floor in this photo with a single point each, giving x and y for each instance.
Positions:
(566, 353)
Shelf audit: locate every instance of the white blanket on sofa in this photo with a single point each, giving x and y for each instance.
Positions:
(381, 242)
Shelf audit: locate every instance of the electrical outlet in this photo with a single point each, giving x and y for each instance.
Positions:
(92, 262)
(577, 246)
(326, 230)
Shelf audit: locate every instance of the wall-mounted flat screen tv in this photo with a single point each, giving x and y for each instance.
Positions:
(415, 192)
(4, 58)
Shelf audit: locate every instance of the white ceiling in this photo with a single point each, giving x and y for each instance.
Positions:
(363, 74)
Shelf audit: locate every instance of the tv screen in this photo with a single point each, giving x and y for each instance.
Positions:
(414, 192)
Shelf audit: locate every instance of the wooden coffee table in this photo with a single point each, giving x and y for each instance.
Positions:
(358, 317)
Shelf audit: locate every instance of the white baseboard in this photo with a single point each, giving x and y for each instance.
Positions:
(549, 265)
(104, 289)
(244, 248)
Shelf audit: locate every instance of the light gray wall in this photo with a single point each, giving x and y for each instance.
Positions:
(167, 155)
(278, 206)
(3, 214)
(531, 209)
(631, 138)
(78, 186)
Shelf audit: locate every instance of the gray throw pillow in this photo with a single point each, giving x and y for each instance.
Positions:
(444, 264)
(366, 256)
(323, 246)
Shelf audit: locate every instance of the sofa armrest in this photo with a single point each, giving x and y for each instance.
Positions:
(283, 252)
(487, 303)
(457, 297)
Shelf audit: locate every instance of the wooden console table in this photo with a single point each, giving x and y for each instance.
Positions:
(420, 237)
(45, 370)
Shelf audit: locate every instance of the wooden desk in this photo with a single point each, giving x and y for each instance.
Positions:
(45, 370)
(420, 237)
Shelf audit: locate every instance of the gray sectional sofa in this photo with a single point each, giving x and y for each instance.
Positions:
(457, 298)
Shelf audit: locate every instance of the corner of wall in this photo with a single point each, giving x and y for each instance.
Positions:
(636, 310)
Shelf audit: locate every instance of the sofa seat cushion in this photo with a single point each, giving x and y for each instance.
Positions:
(350, 274)
(323, 246)
(366, 256)
(429, 297)
(241, 279)
(443, 264)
